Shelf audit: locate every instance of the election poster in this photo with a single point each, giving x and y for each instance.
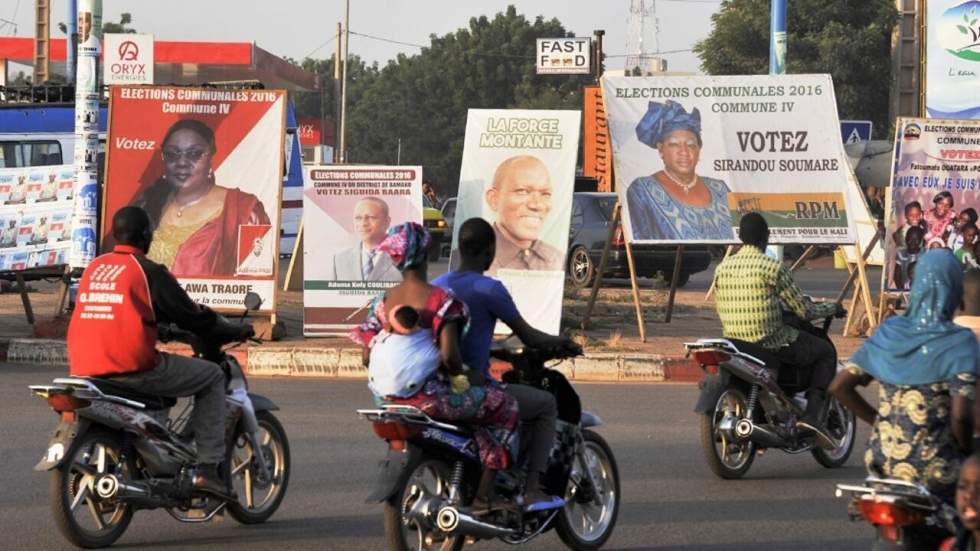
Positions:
(207, 167)
(347, 212)
(952, 88)
(692, 154)
(36, 206)
(935, 196)
(518, 173)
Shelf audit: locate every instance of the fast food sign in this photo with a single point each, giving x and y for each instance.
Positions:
(564, 56)
(128, 58)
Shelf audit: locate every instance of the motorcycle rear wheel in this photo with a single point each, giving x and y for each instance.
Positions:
(587, 526)
(82, 517)
(428, 477)
(726, 459)
(251, 508)
(842, 425)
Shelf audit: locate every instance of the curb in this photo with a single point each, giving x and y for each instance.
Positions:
(345, 363)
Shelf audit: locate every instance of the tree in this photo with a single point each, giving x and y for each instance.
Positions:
(849, 40)
(423, 99)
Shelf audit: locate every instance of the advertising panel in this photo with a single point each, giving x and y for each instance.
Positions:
(596, 148)
(935, 196)
(36, 206)
(518, 173)
(207, 166)
(347, 211)
(564, 56)
(952, 88)
(692, 154)
(128, 59)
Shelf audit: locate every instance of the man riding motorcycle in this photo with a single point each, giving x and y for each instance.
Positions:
(117, 340)
(489, 301)
(751, 291)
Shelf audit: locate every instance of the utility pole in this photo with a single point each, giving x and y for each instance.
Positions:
(598, 64)
(337, 87)
(777, 38)
(72, 40)
(398, 157)
(343, 93)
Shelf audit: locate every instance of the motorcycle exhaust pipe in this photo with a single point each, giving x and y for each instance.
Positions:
(745, 429)
(450, 520)
(108, 487)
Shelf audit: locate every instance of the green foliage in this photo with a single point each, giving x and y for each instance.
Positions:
(849, 40)
(423, 98)
(120, 27)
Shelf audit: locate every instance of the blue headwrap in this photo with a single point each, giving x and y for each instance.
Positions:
(923, 345)
(407, 244)
(663, 118)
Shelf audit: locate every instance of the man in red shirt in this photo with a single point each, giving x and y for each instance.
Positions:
(122, 296)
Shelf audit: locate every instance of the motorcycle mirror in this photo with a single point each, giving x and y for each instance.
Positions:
(252, 301)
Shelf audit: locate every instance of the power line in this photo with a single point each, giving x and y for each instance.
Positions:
(315, 50)
(663, 52)
(481, 54)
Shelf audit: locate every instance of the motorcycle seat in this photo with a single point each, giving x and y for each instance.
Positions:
(114, 388)
(753, 349)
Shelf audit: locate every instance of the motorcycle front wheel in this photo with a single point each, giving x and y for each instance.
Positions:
(259, 493)
(588, 518)
(429, 478)
(85, 519)
(726, 456)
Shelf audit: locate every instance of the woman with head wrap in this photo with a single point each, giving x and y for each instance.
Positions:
(926, 368)
(411, 347)
(675, 203)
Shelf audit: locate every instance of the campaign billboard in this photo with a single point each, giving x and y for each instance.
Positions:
(347, 212)
(935, 196)
(952, 56)
(692, 154)
(36, 206)
(518, 173)
(207, 166)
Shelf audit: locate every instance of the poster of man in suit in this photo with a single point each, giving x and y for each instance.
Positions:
(347, 212)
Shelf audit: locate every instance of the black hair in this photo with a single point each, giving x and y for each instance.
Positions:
(915, 230)
(753, 229)
(131, 226)
(970, 213)
(407, 316)
(476, 236)
(943, 195)
(912, 205)
(156, 195)
(968, 226)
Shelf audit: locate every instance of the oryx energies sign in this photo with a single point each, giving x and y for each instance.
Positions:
(693, 154)
(128, 59)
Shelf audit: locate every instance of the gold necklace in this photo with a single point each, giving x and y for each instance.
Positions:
(686, 187)
(180, 208)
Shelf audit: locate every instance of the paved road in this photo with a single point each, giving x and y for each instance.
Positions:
(671, 501)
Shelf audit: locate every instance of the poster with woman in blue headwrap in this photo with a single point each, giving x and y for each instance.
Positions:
(675, 203)
(692, 154)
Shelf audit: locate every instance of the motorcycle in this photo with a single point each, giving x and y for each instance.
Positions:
(432, 469)
(116, 450)
(905, 515)
(748, 404)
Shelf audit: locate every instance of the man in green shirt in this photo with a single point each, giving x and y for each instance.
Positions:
(751, 292)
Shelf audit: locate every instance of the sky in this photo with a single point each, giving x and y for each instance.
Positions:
(299, 28)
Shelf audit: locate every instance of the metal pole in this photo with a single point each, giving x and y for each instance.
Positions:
(398, 158)
(777, 38)
(337, 88)
(72, 20)
(343, 93)
(599, 65)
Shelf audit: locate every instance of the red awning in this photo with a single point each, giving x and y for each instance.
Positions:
(189, 62)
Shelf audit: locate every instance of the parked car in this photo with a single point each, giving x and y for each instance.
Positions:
(591, 215)
(434, 222)
(449, 215)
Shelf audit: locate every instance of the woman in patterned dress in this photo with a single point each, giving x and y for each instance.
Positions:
(675, 203)
(447, 393)
(926, 368)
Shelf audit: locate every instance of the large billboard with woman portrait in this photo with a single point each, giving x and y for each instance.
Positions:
(935, 196)
(692, 154)
(206, 165)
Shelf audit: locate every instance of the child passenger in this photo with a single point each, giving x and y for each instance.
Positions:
(967, 506)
